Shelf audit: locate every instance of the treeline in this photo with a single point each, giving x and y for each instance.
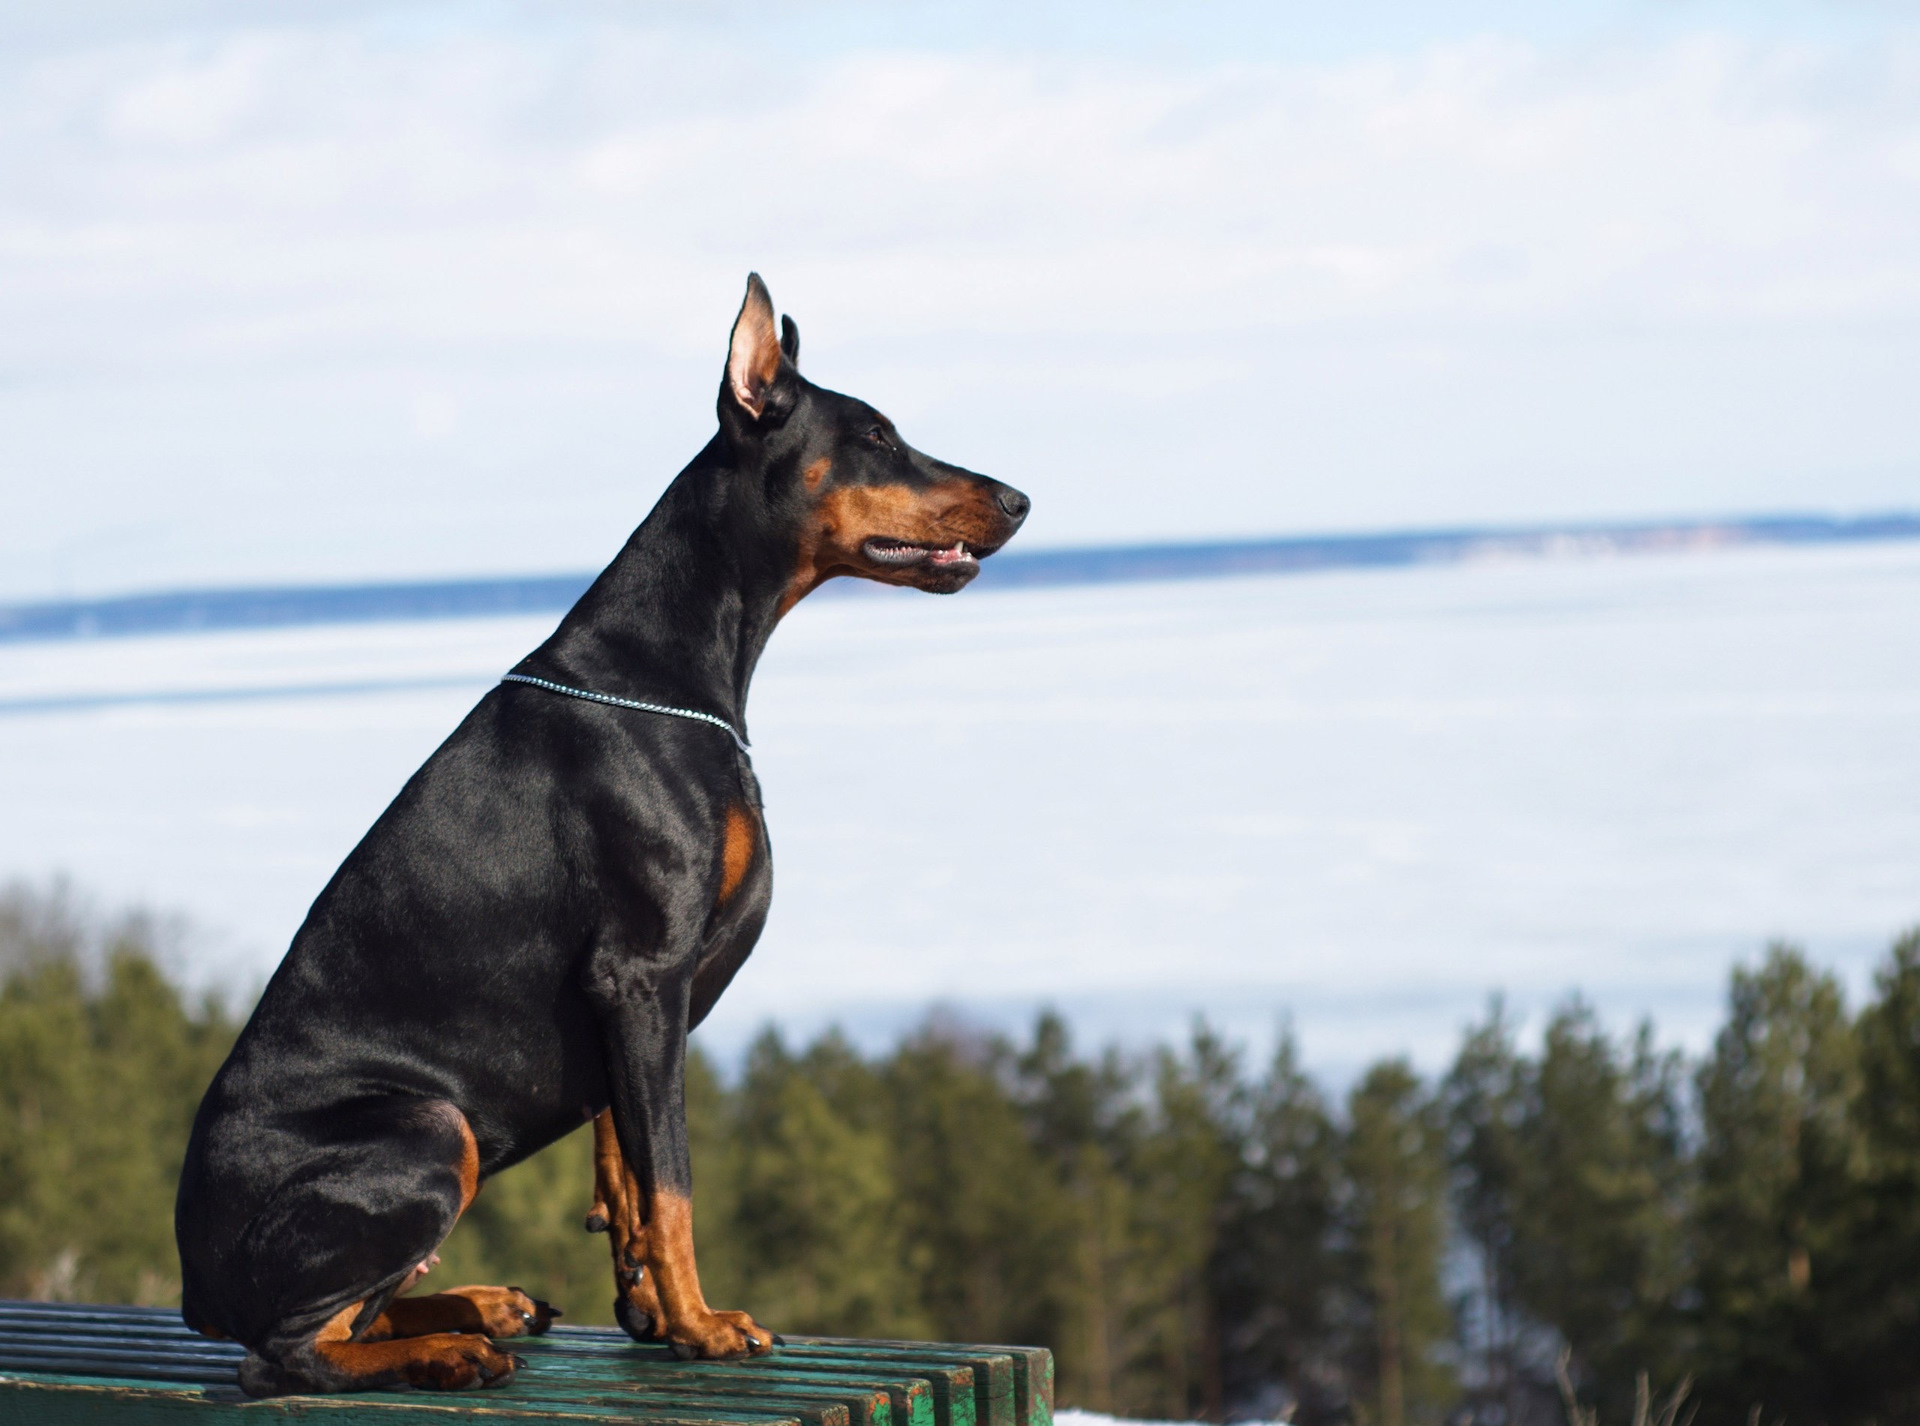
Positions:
(1192, 1235)
(101, 1067)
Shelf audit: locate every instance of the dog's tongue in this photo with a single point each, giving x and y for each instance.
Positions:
(952, 556)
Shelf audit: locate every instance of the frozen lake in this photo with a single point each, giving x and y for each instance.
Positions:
(1363, 799)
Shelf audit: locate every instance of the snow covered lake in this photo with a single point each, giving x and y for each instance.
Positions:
(1363, 799)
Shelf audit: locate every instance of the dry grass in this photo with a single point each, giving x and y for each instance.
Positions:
(1644, 1411)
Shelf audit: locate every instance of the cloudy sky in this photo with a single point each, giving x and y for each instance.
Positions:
(328, 291)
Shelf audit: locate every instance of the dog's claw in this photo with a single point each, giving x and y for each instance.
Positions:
(597, 1222)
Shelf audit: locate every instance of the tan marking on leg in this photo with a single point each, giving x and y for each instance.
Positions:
(693, 1328)
(736, 850)
(339, 1327)
(611, 1200)
(617, 1203)
(444, 1361)
(491, 1311)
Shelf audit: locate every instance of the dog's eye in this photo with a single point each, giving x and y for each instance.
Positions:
(878, 435)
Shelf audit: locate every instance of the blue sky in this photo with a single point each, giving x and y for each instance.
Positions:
(336, 291)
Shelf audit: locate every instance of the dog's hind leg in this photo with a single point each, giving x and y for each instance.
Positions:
(383, 1184)
(490, 1311)
(335, 1359)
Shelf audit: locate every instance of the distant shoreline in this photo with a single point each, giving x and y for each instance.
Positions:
(209, 610)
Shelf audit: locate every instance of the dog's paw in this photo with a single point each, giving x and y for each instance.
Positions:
(718, 1336)
(509, 1312)
(458, 1363)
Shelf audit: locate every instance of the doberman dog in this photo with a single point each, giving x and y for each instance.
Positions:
(525, 937)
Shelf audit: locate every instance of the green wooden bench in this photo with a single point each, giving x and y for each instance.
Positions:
(67, 1363)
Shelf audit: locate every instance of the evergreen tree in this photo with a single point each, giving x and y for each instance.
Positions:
(1185, 1168)
(1599, 1247)
(1396, 1227)
(101, 1069)
(1274, 1263)
(1084, 1123)
(818, 1228)
(1780, 1160)
(976, 1199)
(1877, 1302)
(1485, 1096)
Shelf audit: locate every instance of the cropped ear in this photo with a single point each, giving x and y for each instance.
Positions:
(790, 341)
(753, 356)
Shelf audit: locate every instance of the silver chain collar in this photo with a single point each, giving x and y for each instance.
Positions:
(608, 698)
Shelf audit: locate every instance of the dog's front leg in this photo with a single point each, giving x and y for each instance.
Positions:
(650, 1205)
(616, 1212)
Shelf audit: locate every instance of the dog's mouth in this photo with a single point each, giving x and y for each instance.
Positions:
(955, 558)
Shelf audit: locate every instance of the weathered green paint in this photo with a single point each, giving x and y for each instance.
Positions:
(1032, 1371)
(67, 1364)
(950, 1387)
(72, 1401)
(993, 1400)
(910, 1399)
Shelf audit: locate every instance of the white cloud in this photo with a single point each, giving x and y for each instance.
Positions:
(1477, 279)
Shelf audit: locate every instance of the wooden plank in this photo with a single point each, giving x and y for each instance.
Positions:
(914, 1399)
(57, 1401)
(550, 1387)
(702, 1406)
(817, 1405)
(876, 1400)
(1032, 1371)
(506, 1403)
(934, 1396)
(177, 1361)
(94, 1341)
(574, 1373)
(911, 1399)
(993, 1400)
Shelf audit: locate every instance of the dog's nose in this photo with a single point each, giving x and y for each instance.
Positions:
(1013, 502)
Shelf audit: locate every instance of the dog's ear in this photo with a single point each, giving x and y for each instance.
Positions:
(790, 340)
(753, 356)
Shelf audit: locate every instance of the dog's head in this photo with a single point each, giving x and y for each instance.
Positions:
(861, 500)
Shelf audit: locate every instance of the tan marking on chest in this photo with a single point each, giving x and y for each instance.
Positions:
(469, 1164)
(736, 850)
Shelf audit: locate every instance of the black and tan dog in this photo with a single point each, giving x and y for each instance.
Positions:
(525, 937)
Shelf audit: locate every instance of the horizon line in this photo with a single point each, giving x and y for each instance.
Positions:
(278, 606)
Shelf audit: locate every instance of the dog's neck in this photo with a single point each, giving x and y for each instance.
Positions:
(683, 613)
